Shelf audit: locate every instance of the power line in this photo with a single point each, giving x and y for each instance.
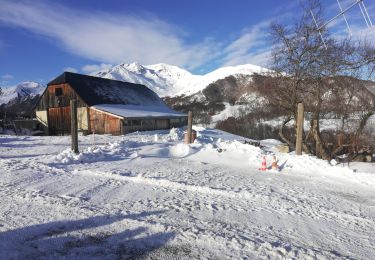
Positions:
(364, 12)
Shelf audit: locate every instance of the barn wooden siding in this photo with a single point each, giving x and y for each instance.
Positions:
(148, 124)
(54, 108)
(144, 124)
(49, 99)
(103, 123)
(58, 108)
(59, 120)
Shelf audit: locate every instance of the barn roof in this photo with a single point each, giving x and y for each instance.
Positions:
(95, 90)
(131, 111)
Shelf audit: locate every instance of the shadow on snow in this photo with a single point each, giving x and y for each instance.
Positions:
(76, 239)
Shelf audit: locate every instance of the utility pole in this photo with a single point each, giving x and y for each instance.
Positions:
(190, 127)
(74, 125)
(300, 117)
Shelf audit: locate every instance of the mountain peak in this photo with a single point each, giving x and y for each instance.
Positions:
(170, 80)
(22, 90)
(135, 67)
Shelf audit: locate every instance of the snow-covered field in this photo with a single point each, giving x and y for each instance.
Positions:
(148, 195)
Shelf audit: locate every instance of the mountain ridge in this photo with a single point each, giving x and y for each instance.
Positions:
(169, 80)
(26, 89)
(164, 79)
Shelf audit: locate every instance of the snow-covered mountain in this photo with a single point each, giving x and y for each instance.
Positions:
(164, 79)
(168, 80)
(21, 91)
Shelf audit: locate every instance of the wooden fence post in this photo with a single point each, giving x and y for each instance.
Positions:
(300, 117)
(74, 125)
(190, 126)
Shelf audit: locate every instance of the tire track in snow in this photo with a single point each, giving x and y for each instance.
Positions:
(171, 185)
(294, 206)
(263, 200)
(271, 201)
(258, 200)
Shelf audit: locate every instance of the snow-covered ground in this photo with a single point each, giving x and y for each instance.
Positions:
(229, 111)
(149, 195)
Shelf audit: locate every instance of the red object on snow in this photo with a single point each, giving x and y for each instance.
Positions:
(264, 164)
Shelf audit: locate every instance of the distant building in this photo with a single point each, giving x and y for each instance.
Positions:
(104, 106)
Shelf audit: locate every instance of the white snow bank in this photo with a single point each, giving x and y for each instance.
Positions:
(232, 152)
(125, 149)
(179, 150)
(109, 151)
(175, 134)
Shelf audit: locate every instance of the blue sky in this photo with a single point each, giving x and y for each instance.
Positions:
(41, 38)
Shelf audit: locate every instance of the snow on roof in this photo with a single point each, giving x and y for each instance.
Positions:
(134, 111)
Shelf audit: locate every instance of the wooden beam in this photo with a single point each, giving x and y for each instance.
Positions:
(300, 117)
(74, 125)
(190, 126)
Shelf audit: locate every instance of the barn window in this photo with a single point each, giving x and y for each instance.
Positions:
(58, 92)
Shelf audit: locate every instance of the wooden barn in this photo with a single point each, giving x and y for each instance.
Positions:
(104, 106)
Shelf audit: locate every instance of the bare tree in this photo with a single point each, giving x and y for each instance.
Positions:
(303, 68)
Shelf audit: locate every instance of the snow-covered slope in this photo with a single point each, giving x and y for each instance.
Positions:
(148, 195)
(168, 80)
(21, 91)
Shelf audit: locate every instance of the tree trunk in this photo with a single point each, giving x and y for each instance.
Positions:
(363, 122)
(306, 149)
(359, 131)
(320, 149)
(281, 134)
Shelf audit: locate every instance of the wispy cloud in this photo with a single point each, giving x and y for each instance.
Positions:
(108, 38)
(252, 46)
(93, 68)
(367, 35)
(105, 37)
(7, 77)
(71, 69)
